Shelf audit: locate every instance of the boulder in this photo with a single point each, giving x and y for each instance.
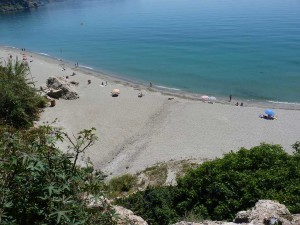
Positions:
(55, 93)
(265, 212)
(205, 222)
(124, 216)
(242, 217)
(127, 217)
(268, 212)
(296, 218)
(61, 88)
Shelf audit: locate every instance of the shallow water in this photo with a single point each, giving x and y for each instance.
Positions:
(250, 49)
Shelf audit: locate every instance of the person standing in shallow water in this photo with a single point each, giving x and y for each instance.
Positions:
(230, 97)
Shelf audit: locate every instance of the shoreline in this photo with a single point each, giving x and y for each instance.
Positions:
(135, 133)
(168, 91)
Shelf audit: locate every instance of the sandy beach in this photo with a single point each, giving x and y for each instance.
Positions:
(138, 132)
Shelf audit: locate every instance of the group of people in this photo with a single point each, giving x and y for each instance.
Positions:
(76, 65)
(104, 84)
(267, 117)
(237, 103)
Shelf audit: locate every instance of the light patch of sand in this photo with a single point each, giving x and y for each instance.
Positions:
(135, 133)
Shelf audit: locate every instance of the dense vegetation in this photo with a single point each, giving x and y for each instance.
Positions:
(218, 189)
(19, 103)
(39, 184)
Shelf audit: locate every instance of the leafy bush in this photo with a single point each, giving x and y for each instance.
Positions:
(122, 183)
(41, 185)
(157, 174)
(19, 102)
(219, 188)
(153, 204)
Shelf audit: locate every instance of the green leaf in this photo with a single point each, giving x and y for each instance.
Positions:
(61, 215)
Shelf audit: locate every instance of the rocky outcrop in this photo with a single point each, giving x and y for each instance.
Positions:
(126, 217)
(265, 212)
(59, 87)
(206, 223)
(268, 212)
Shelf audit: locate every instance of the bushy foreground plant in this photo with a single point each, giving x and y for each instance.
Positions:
(19, 102)
(124, 183)
(220, 188)
(39, 184)
(155, 205)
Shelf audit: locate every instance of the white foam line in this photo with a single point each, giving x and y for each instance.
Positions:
(90, 68)
(41, 53)
(287, 103)
(7, 46)
(175, 89)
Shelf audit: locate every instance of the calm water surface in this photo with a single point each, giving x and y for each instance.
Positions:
(250, 49)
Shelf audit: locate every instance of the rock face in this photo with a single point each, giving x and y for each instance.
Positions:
(270, 212)
(61, 88)
(265, 212)
(127, 217)
(124, 216)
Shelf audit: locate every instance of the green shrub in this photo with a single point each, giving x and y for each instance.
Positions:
(220, 188)
(239, 180)
(154, 204)
(19, 102)
(122, 183)
(157, 174)
(39, 184)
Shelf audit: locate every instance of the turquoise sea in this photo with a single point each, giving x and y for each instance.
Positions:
(250, 49)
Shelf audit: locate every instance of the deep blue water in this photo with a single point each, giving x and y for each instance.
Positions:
(250, 49)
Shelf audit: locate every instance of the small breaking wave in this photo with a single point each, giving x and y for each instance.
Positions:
(7, 46)
(86, 67)
(163, 87)
(286, 103)
(41, 53)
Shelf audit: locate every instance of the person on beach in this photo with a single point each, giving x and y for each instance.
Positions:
(237, 103)
(242, 104)
(230, 97)
(150, 84)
